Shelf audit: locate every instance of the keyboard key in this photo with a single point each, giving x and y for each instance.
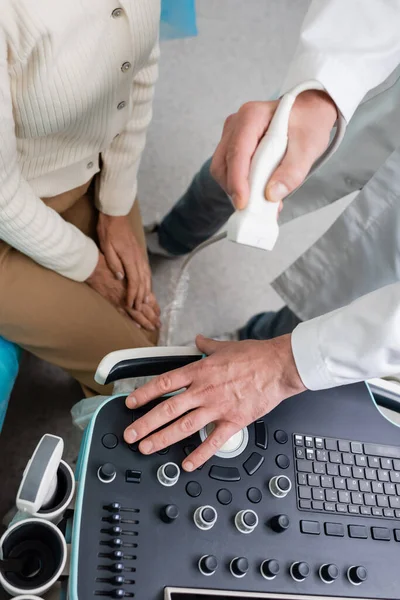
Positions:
(390, 489)
(357, 498)
(335, 529)
(397, 535)
(317, 505)
(319, 468)
(341, 508)
(318, 494)
(358, 531)
(310, 527)
(322, 455)
(344, 446)
(378, 450)
(330, 444)
(382, 501)
(386, 463)
(326, 481)
(352, 485)
(354, 510)
(304, 466)
(329, 507)
(304, 493)
(365, 510)
(331, 469)
(314, 480)
(398, 489)
(380, 533)
(331, 495)
(339, 483)
(344, 471)
(364, 485)
(388, 512)
(298, 440)
(370, 499)
(377, 512)
(395, 476)
(348, 459)
(335, 457)
(308, 441)
(394, 502)
(373, 462)
(377, 487)
(300, 453)
(344, 497)
(310, 454)
(358, 472)
(396, 465)
(319, 443)
(383, 475)
(361, 460)
(261, 432)
(356, 448)
(301, 478)
(305, 504)
(397, 513)
(370, 474)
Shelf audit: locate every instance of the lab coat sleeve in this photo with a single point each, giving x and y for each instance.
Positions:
(354, 343)
(350, 46)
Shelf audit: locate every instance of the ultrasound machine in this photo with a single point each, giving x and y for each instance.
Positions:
(305, 502)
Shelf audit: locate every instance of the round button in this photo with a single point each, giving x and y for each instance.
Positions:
(329, 573)
(168, 474)
(125, 66)
(356, 575)
(282, 461)
(121, 105)
(205, 517)
(169, 513)
(117, 12)
(193, 489)
(232, 447)
(246, 521)
(109, 440)
(208, 564)
(269, 568)
(107, 473)
(208, 514)
(254, 495)
(280, 486)
(89, 165)
(280, 523)
(239, 566)
(163, 451)
(224, 496)
(299, 571)
(281, 436)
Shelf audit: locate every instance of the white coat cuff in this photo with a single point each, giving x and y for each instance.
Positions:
(308, 357)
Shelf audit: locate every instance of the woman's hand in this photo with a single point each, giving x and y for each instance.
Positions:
(236, 384)
(311, 120)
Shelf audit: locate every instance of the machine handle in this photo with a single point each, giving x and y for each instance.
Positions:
(144, 362)
(257, 224)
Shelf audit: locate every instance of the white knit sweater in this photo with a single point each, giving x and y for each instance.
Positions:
(76, 80)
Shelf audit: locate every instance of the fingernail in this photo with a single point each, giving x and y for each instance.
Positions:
(277, 191)
(138, 326)
(188, 466)
(152, 328)
(119, 276)
(147, 299)
(146, 447)
(131, 402)
(130, 436)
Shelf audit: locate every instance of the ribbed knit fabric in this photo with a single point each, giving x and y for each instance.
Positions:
(76, 81)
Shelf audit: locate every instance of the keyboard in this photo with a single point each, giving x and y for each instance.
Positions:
(346, 476)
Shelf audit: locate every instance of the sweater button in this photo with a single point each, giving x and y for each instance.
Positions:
(117, 12)
(125, 67)
(121, 105)
(89, 165)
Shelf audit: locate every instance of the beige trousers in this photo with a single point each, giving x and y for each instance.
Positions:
(61, 321)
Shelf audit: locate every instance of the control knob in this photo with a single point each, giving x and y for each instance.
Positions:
(205, 517)
(169, 513)
(329, 573)
(107, 473)
(239, 566)
(208, 564)
(279, 523)
(299, 571)
(168, 474)
(269, 568)
(246, 521)
(280, 486)
(356, 575)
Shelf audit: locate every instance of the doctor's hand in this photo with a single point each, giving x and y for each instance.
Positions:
(236, 384)
(311, 120)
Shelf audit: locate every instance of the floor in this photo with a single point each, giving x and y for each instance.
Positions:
(241, 53)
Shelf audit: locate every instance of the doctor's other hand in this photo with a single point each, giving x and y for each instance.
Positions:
(236, 384)
(311, 120)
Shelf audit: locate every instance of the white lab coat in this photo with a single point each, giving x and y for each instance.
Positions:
(351, 46)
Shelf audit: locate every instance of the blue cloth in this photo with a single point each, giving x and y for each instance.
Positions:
(178, 19)
(9, 364)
